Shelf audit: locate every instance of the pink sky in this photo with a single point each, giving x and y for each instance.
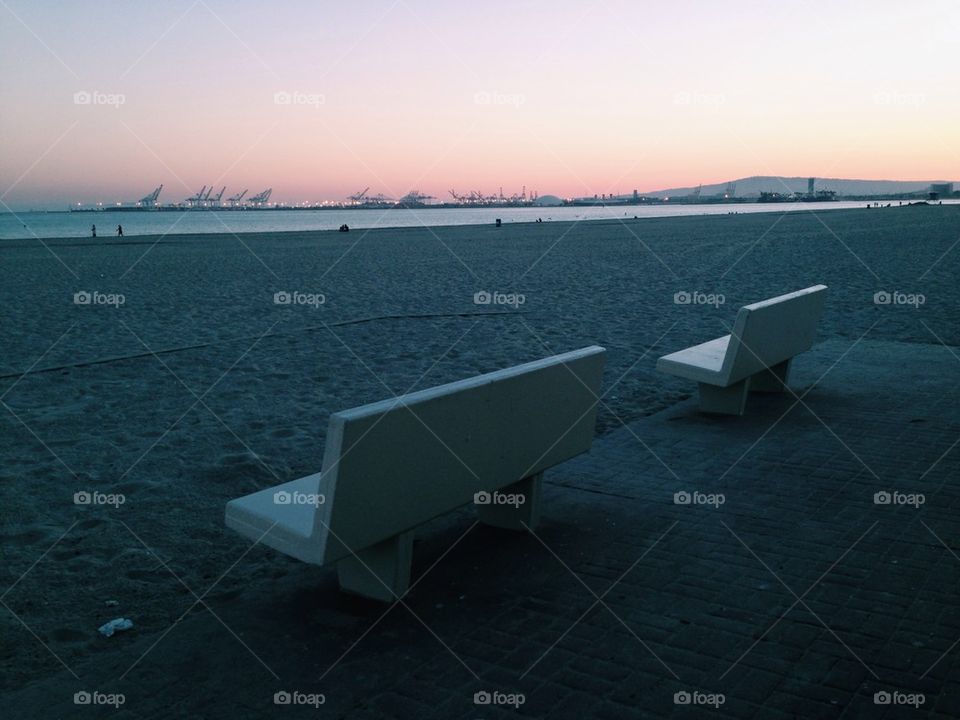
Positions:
(567, 98)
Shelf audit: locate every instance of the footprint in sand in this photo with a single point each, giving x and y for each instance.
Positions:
(131, 487)
(238, 459)
(90, 523)
(68, 635)
(27, 537)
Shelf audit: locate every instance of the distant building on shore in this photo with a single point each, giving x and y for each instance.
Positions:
(940, 190)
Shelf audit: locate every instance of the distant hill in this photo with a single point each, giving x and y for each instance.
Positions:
(751, 187)
(548, 201)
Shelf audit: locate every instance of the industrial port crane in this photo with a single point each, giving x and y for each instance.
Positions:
(151, 199)
(261, 199)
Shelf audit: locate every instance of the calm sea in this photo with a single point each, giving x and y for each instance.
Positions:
(77, 224)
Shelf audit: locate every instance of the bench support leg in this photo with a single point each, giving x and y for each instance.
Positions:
(523, 511)
(773, 379)
(724, 400)
(381, 571)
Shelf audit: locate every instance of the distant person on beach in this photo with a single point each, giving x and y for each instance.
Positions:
(93, 231)
(119, 230)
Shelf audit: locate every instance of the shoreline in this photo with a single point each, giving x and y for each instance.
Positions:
(156, 237)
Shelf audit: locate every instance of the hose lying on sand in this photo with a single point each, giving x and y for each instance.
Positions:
(308, 328)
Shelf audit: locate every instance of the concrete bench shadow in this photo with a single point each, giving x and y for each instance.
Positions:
(756, 356)
(393, 465)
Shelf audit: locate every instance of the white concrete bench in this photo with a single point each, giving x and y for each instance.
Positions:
(756, 356)
(394, 465)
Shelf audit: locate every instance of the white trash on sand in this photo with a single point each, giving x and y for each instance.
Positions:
(115, 625)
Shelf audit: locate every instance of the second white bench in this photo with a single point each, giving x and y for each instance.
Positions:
(755, 356)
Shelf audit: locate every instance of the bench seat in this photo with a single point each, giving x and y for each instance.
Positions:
(284, 527)
(703, 362)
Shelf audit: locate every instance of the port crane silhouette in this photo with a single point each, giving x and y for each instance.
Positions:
(151, 199)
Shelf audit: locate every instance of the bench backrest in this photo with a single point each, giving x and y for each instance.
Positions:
(393, 465)
(771, 331)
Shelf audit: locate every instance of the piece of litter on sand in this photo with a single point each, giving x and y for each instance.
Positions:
(115, 625)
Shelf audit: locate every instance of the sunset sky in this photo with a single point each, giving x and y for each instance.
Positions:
(321, 99)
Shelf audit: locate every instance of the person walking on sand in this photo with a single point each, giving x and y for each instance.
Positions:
(119, 230)
(93, 231)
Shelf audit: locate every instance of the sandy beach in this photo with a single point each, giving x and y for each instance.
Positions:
(165, 370)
